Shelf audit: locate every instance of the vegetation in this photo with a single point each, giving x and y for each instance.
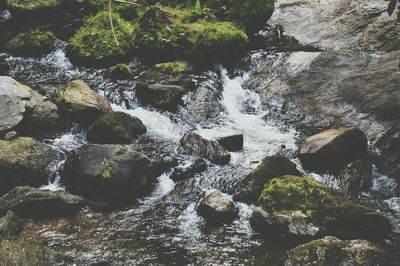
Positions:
(173, 68)
(32, 43)
(94, 43)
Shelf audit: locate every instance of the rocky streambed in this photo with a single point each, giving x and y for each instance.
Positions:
(291, 150)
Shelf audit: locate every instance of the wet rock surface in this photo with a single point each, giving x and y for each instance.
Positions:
(231, 143)
(333, 251)
(10, 225)
(217, 208)
(16, 252)
(24, 161)
(196, 167)
(29, 202)
(249, 190)
(115, 128)
(209, 149)
(111, 173)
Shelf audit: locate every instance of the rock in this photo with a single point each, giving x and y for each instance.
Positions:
(120, 71)
(216, 207)
(29, 202)
(32, 43)
(333, 251)
(294, 225)
(23, 252)
(94, 44)
(110, 173)
(165, 97)
(325, 209)
(4, 66)
(209, 149)
(232, 143)
(24, 162)
(342, 152)
(26, 111)
(115, 128)
(10, 225)
(197, 167)
(389, 159)
(252, 185)
(10, 135)
(80, 103)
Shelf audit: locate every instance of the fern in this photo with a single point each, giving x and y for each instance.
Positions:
(198, 6)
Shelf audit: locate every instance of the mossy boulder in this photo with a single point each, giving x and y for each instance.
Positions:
(26, 111)
(115, 128)
(110, 173)
(331, 212)
(32, 43)
(24, 161)
(333, 251)
(173, 68)
(29, 202)
(28, 8)
(10, 225)
(166, 33)
(271, 167)
(120, 71)
(23, 252)
(94, 43)
(80, 103)
(126, 10)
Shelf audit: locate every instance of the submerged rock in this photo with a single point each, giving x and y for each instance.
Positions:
(252, 185)
(10, 225)
(232, 143)
(115, 128)
(209, 149)
(23, 252)
(325, 209)
(80, 103)
(110, 173)
(32, 202)
(26, 111)
(333, 251)
(24, 162)
(196, 167)
(340, 149)
(32, 43)
(216, 207)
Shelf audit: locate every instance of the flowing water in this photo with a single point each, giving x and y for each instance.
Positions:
(163, 227)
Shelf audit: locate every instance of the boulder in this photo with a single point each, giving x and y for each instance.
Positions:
(209, 149)
(216, 207)
(10, 225)
(26, 111)
(328, 211)
(120, 71)
(110, 173)
(342, 152)
(24, 162)
(29, 202)
(333, 251)
(23, 252)
(232, 143)
(115, 128)
(80, 103)
(32, 43)
(252, 185)
(293, 225)
(196, 167)
(162, 96)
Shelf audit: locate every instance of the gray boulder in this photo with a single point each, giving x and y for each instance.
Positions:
(209, 149)
(110, 173)
(32, 202)
(26, 111)
(24, 162)
(216, 207)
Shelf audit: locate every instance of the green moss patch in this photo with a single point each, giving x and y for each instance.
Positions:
(32, 43)
(173, 68)
(94, 43)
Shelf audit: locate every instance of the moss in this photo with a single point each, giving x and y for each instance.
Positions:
(199, 40)
(106, 172)
(125, 10)
(94, 43)
(31, 43)
(28, 5)
(22, 252)
(120, 71)
(173, 68)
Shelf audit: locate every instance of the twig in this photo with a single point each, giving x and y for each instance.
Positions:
(111, 21)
